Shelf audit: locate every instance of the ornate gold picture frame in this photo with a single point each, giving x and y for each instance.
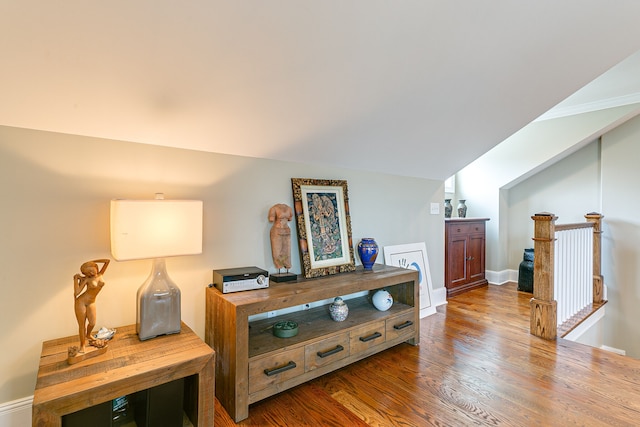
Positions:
(324, 226)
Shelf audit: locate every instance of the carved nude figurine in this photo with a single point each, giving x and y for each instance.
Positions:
(86, 287)
(280, 234)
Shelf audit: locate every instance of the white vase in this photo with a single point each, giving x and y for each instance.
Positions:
(462, 208)
(382, 300)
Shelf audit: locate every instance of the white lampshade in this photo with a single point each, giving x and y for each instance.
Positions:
(155, 228)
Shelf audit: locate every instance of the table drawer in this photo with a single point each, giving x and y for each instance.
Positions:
(459, 229)
(402, 325)
(326, 351)
(276, 368)
(367, 336)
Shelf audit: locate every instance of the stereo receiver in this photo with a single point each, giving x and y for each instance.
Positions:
(240, 279)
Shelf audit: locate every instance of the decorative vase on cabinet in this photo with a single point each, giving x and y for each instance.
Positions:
(382, 300)
(448, 208)
(368, 252)
(462, 208)
(338, 310)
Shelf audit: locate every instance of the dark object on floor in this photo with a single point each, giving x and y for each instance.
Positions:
(525, 273)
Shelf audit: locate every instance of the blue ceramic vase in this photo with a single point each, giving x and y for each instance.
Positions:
(368, 252)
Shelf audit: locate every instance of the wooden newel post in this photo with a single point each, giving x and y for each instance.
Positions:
(598, 280)
(543, 304)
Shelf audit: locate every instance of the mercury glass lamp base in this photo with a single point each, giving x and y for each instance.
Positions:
(158, 304)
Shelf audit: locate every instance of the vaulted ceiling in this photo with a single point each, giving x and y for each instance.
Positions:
(409, 87)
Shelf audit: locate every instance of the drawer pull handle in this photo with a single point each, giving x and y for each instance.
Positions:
(281, 369)
(403, 325)
(373, 336)
(335, 350)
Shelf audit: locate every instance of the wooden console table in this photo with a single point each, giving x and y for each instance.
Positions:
(252, 364)
(128, 366)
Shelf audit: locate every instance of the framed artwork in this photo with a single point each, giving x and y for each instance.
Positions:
(323, 221)
(414, 256)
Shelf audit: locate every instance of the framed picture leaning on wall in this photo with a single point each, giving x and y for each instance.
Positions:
(414, 256)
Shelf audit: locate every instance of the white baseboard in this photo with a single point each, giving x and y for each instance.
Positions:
(16, 413)
(501, 277)
(588, 323)
(439, 298)
(424, 312)
(613, 350)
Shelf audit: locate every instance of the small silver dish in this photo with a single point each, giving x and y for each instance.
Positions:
(104, 334)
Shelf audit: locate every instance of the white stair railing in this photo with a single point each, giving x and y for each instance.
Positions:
(567, 280)
(573, 274)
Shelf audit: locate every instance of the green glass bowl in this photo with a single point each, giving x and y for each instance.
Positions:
(285, 329)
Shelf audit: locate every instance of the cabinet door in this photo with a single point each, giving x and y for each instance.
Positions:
(476, 257)
(457, 260)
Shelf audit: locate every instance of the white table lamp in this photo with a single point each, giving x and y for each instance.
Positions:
(143, 229)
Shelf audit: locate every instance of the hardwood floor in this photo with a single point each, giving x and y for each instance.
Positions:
(476, 364)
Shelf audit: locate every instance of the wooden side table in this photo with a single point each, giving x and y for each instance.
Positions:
(128, 366)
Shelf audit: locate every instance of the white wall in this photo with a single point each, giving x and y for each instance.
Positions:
(602, 177)
(569, 188)
(55, 191)
(527, 152)
(621, 234)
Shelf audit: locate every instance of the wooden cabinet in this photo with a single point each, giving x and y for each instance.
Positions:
(464, 254)
(175, 367)
(252, 364)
